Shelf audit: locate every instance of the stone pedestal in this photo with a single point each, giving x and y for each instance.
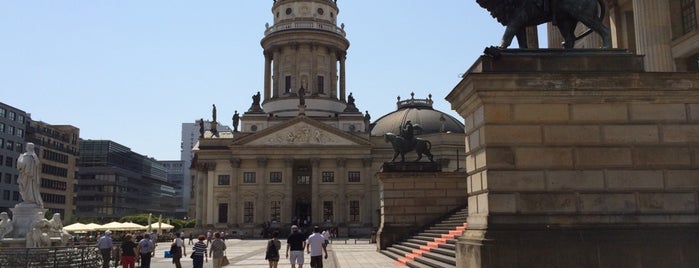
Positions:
(23, 216)
(579, 159)
(411, 201)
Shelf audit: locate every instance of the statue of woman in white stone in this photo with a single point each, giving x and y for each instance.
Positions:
(5, 225)
(28, 166)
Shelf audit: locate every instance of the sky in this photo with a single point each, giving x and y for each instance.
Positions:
(132, 71)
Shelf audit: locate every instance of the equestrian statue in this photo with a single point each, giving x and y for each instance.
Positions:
(516, 15)
(406, 142)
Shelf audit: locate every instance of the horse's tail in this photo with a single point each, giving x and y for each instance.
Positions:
(602, 10)
(429, 145)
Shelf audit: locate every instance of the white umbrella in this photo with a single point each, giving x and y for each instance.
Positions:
(130, 226)
(93, 226)
(77, 227)
(114, 226)
(163, 226)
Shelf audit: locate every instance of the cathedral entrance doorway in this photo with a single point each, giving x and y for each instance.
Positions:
(302, 193)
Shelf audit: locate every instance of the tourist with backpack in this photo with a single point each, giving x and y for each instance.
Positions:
(272, 253)
(146, 250)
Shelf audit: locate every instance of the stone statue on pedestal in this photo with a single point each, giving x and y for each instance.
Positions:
(5, 225)
(28, 166)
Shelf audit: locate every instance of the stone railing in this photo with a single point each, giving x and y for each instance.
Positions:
(305, 25)
(55, 257)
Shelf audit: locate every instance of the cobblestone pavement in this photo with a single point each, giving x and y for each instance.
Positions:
(342, 253)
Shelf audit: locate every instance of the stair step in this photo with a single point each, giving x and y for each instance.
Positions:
(440, 258)
(435, 263)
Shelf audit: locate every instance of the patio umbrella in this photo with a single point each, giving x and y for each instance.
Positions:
(163, 226)
(77, 227)
(114, 226)
(93, 226)
(130, 226)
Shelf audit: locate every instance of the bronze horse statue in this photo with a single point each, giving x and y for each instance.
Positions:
(516, 15)
(401, 146)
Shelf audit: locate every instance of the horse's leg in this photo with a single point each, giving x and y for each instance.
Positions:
(419, 156)
(522, 38)
(567, 29)
(394, 157)
(597, 26)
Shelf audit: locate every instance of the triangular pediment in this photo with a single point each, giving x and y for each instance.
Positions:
(302, 131)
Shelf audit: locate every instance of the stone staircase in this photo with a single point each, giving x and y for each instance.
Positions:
(434, 247)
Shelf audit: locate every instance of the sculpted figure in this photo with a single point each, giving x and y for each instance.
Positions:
(38, 236)
(28, 166)
(516, 15)
(56, 229)
(5, 225)
(213, 113)
(350, 99)
(302, 96)
(256, 99)
(236, 121)
(201, 128)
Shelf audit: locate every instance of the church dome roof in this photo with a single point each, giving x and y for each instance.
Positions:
(419, 112)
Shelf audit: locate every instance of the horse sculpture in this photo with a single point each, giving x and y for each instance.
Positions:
(565, 14)
(401, 146)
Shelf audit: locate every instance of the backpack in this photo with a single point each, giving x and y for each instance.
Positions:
(272, 252)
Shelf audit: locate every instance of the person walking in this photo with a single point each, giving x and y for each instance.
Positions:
(104, 244)
(191, 238)
(128, 252)
(146, 250)
(295, 243)
(216, 252)
(316, 246)
(177, 250)
(273, 247)
(199, 253)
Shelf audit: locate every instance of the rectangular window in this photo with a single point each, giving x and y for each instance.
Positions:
(2, 112)
(18, 147)
(328, 212)
(11, 130)
(10, 145)
(9, 161)
(20, 119)
(354, 211)
(328, 176)
(249, 177)
(11, 116)
(20, 133)
(689, 16)
(15, 196)
(248, 212)
(321, 84)
(8, 178)
(275, 177)
(222, 213)
(2, 127)
(354, 176)
(275, 211)
(303, 179)
(6, 195)
(287, 84)
(224, 180)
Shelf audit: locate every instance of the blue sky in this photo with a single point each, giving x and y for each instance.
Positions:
(132, 71)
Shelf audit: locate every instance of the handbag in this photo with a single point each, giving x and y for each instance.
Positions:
(225, 261)
(192, 255)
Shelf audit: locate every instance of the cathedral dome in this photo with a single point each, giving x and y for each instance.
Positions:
(419, 112)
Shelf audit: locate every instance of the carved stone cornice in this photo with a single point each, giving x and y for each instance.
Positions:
(235, 162)
(205, 166)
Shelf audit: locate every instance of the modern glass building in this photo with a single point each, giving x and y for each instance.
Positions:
(114, 182)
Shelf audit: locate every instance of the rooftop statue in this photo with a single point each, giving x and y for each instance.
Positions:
(516, 15)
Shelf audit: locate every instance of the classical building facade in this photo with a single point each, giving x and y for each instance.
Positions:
(665, 31)
(304, 153)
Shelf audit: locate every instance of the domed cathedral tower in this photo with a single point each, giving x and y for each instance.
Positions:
(305, 54)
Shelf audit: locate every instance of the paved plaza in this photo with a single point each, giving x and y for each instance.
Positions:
(342, 253)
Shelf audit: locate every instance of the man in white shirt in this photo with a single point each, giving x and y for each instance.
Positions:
(316, 246)
(104, 244)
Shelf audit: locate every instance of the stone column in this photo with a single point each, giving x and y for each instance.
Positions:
(367, 210)
(287, 204)
(341, 206)
(342, 77)
(268, 76)
(262, 201)
(277, 78)
(532, 37)
(555, 38)
(653, 34)
(209, 194)
(315, 192)
(235, 196)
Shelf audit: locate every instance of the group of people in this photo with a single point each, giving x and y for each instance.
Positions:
(315, 245)
(214, 247)
(132, 250)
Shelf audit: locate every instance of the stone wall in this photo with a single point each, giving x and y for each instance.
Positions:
(412, 200)
(567, 148)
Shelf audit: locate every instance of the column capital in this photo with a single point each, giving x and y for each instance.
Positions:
(262, 161)
(341, 162)
(205, 166)
(235, 162)
(367, 161)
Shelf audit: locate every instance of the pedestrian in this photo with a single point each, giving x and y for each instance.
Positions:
(191, 238)
(104, 244)
(128, 252)
(146, 250)
(273, 247)
(177, 250)
(295, 243)
(315, 246)
(199, 253)
(217, 251)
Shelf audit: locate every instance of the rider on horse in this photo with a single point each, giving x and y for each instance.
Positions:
(408, 133)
